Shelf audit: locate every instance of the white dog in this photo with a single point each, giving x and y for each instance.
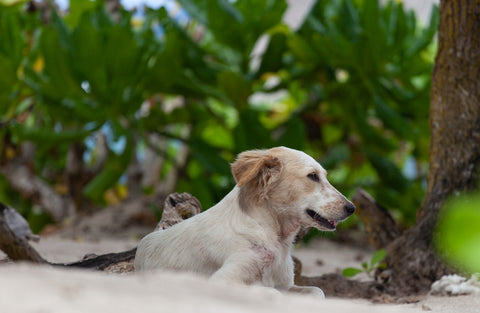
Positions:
(248, 236)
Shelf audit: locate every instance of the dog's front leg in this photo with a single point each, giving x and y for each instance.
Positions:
(311, 290)
(240, 269)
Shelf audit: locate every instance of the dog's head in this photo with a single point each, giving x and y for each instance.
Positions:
(292, 184)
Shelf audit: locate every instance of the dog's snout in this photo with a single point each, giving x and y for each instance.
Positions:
(349, 208)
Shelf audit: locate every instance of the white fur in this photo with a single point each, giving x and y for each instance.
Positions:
(248, 236)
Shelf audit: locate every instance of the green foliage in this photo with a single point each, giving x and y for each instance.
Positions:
(354, 84)
(12, 43)
(367, 268)
(361, 62)
(458, 232)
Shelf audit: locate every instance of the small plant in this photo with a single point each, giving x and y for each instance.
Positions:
(375, 262)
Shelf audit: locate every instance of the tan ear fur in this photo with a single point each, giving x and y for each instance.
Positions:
(256, 172)
(250, 163)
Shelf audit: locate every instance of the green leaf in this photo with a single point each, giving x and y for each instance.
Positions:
(76, 10)
(389, 173)
(458, 232)
(114, 168)
(225, 22)
(197, 9)
(236, 87)
(11, 2)
(351, 271)
(427, 35)
(293, 134)
(209, 157)
(8, 81)
(217, 135)
(12, 39)
(89, 54)
(200, 187)
(48, 137)
(109, 175)
(336, 155)
(58, 79)
(365, 265)
(302, 50)
(272, 58)
(377, 257)
(392, 119)
(237, 25)
(250, 132)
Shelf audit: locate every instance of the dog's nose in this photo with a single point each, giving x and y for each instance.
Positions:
(349, 208)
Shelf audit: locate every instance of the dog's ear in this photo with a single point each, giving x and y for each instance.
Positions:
(260, 165)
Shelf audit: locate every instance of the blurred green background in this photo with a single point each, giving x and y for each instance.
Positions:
(123, 90)
(458, 232)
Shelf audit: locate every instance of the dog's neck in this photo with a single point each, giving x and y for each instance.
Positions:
(284, 227)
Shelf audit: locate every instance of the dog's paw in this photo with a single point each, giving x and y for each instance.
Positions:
(308, 290)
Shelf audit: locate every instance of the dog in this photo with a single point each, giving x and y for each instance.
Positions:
(248, 236)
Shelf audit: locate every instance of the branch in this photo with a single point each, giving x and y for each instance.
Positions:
(31, 186)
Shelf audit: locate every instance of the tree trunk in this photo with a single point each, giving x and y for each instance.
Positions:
(454, 146)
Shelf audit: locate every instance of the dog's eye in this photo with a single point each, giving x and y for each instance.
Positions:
(314, 177)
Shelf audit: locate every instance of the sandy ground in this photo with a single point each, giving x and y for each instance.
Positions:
(43, 289)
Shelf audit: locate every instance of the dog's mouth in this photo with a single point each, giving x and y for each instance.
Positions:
(321, 220)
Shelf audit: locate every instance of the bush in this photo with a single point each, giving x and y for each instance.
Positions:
(351, 88)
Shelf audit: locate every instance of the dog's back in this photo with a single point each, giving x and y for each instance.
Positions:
(199, 244)
(179, 247)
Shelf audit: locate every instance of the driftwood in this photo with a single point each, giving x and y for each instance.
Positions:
(178, 207)
(380, 226)
(14, 237)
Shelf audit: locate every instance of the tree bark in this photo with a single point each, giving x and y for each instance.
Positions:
(454, 146)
